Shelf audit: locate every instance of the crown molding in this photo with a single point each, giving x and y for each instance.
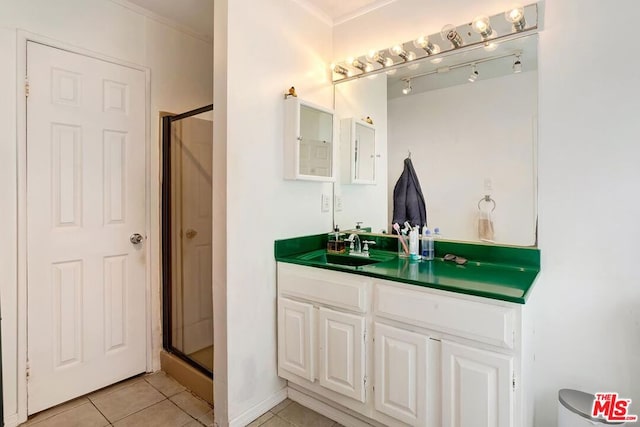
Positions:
(163, 20)
(362, 11)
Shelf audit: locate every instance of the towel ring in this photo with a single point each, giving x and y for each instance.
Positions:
(487, 199)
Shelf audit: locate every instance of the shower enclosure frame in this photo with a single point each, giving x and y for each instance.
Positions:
(166, 238)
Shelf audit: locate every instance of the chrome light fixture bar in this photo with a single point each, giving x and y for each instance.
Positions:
(473, 64)
(483, 32)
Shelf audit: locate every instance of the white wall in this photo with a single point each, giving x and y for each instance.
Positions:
(357, 99)
(458, 137)
(181, 68)
(587, 299)
(271, 46)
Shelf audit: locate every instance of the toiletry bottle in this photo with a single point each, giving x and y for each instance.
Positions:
(414, 244)
(427, 245)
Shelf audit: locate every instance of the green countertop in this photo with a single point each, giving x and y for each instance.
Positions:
(497, 272)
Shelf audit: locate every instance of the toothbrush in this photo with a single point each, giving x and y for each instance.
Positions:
(401, 238)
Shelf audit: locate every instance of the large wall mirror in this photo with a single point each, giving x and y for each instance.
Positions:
(469, 124)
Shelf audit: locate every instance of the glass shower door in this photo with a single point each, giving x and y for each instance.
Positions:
(187, 237)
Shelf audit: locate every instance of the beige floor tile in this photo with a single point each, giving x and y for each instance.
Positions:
(115, 387)
(261, 419)
(36, 418)
(276, 421)
(192, 423)
(301, 416)
(85, 415)
(127, 400)
(207, 419)
(163, 414)
(280, 406)
(164, 384)
(192, 405)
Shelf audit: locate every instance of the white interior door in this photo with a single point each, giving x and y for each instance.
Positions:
(85, 198)
(195, 147)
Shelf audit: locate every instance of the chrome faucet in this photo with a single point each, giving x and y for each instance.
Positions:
(356, 246)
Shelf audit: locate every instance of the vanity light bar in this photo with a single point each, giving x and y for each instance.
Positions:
(476, 34)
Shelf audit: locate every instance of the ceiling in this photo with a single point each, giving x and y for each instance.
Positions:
(197, 15)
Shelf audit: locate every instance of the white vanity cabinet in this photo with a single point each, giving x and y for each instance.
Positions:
(358, 152)
(400, 354)
(309, 148)
(322, 327)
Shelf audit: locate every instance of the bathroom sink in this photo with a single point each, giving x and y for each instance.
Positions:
(343, 260)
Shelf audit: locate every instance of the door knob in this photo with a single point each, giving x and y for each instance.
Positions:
(191, 233)
(136, 238)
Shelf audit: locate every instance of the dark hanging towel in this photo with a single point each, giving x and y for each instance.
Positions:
(408, 201)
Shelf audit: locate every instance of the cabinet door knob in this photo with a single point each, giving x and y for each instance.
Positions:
(191, 233)
(136, 238)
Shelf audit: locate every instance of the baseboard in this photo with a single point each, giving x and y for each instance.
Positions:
(328, 411)
(11, 420)
(262, 407)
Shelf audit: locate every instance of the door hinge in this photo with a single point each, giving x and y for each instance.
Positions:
(364, 380)
(365, 335)
(513, 380)
(26, 87)
(28, 371)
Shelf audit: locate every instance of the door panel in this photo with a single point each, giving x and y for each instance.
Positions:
(296, 338)
(85, 197)
(401, 374)
(342, 353)
(476, 387)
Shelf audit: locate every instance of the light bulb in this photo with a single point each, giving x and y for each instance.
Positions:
(482, 26)
(517, 65)
(474, 74)
(373, 55)
(490, 46)
(387, 62)
(355, 62)
(516, 17)
(396, 50)
(424, 43)
(339, 69)
(449, 33)
(407, 87)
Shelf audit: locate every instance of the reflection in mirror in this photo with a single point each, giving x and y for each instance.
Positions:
(469, 135)
(358, 142)
(316, 139)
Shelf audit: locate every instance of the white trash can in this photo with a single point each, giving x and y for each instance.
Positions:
(574, 410)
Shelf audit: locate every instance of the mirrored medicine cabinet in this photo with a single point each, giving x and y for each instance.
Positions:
(309, 149)
(357, 151)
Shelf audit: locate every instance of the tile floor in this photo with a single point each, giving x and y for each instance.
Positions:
(147, 400)
(292, 414)
(157, 400)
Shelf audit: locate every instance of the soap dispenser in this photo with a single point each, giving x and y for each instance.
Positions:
(335, 245)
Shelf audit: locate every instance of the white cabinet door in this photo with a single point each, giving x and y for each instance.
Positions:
(296, 338)
(400, 360)
(342, 353)
(476, 387)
